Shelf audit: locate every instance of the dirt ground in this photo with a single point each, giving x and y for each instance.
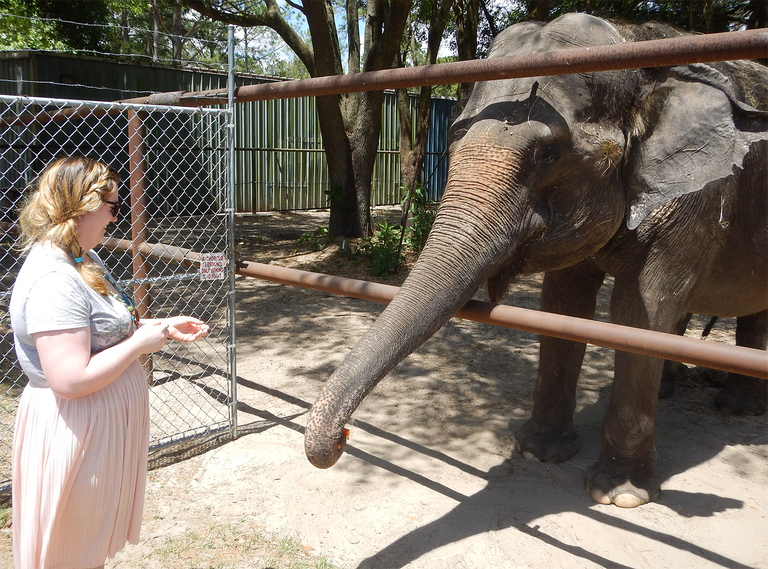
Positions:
(430, 479)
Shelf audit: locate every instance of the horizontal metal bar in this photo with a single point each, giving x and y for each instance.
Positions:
(167, 253)
(747, 44)
(265, 149)
(85, 109)
(165, 279)
(715, 355)
(310, 150)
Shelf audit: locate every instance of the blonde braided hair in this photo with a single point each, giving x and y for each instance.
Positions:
(67, 189)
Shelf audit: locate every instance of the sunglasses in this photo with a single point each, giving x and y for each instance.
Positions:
(115, 209)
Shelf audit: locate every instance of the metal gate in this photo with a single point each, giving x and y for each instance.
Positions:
(172, 247)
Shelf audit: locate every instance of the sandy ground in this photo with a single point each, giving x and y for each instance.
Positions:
(430, 479)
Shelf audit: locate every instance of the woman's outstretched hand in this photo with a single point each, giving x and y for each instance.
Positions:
(185, 328)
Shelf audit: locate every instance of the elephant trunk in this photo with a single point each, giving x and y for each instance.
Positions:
(462, 250)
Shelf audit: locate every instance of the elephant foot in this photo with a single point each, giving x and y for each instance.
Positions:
(537, 441)
(743, 395)
(624, 490)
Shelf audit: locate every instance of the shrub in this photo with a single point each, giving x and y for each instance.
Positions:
(317, 241)
(382, 249)
(422, 213)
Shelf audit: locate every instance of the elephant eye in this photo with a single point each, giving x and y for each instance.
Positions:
(546, 154)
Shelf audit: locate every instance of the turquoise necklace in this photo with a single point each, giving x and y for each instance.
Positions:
(121, 295)
(124, 298)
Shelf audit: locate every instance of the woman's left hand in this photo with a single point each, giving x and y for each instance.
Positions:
(185, 328)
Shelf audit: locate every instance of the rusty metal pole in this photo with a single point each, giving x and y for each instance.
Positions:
(139, 215)
(725, 357)
(654, 53)
(724, 46)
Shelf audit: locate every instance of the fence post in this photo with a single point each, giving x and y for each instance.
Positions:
(139, 216)
(232, 343)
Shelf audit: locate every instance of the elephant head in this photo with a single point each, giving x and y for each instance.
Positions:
(543, 173)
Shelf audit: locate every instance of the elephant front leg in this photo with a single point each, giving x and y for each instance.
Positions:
(549, 435)
(625, 473)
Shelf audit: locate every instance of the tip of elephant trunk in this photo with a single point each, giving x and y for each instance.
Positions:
(324, 452)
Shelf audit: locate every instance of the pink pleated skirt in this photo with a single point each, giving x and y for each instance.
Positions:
(79, 473)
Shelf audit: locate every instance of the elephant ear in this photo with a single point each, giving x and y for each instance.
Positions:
(691, 131)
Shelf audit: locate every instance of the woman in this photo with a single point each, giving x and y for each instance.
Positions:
(82, 427)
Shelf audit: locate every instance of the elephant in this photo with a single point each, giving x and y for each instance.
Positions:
(655, 176)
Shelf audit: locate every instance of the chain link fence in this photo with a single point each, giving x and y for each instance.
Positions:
(171, 245)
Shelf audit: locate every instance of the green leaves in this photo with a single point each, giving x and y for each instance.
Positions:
(382, 249)
(422, 213)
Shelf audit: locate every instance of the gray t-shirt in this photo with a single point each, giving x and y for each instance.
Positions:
(49, 295)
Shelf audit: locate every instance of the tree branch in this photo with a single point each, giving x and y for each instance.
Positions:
(271, 18)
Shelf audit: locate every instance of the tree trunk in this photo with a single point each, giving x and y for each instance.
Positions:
(353, 38)
(177, 35)
(709, 16)
(365, 145)
(413, 150)
(126, 38)
(385, 23)
(333, 126)
(338, 155)
(154, 41)
(350, 132)
(408, 175)
(467, 18)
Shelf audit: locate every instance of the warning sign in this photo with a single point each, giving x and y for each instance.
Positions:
(213, 266)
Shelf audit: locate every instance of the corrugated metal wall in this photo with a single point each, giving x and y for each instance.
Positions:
(279, 158)
(279, 161)
(434, 173)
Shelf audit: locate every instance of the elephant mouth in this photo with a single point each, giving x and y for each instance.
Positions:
(504, 274)
(503, 277)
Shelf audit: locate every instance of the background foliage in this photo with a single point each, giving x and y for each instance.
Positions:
(153, 28)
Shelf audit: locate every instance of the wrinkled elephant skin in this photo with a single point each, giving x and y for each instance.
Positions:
(654, 176)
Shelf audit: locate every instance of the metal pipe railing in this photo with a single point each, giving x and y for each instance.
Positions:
(166, 253)
(747, 361)
(724, 46)
(726, 357)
